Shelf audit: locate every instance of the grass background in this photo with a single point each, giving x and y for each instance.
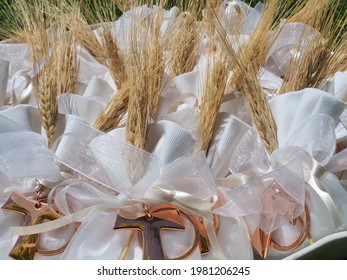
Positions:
(6, 10)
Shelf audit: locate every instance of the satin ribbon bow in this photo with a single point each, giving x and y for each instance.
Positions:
(119, 176)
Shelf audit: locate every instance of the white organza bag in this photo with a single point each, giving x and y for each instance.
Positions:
(300, 131)
(25, 161)
(103, 160)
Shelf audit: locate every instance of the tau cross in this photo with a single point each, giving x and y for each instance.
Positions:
(150, 226)
(35, 212)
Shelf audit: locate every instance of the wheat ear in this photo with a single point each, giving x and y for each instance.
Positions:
(317, 60)
(215, 85)
(249, 84)
(115, 109)
(183, 44)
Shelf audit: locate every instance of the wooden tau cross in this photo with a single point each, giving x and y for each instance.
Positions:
(150, 226)
(35, 213)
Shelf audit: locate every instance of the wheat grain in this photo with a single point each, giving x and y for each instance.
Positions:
(248, 82)
(182, 50)
(215, 85)
(115, 109)
(322, 56)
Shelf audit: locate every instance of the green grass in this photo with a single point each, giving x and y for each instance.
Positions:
(5, 14)
(6, 10)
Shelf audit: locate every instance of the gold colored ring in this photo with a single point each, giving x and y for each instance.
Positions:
(56, 251)
(52, 252)
(304, 219)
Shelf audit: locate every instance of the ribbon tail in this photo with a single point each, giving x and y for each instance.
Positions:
(52, 225)
(211, 233)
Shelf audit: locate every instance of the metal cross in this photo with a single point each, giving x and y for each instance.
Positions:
(150, 226)
(35, 212)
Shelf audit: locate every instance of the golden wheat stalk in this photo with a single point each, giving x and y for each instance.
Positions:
(182, 50)
(311, 13)
(304, 69)
(338, 59)
(319, 59)
(33, 31)
(145, 81)
(136, 127)
(115, 109)
(156, 66)
(138, 107)
(125, 5)
(34, 28)
(185, 39)
(118, 105)
(46, 100)
(108, 53)
(259, 42)
(334, 33)
(214, 88)
(54, 58)
(58, 75)
(102, 42)
(211, 8)
(67, 68)
(84, 33)
(114, 58)
(257, 103)
(248, 82)
(137, 122)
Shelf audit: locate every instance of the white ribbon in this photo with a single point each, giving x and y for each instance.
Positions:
(234, 8)
(338, 86)
(87, 109)
(134, 17)
(25, 154)
(16, 55)
(292, 39)
(221, 148)
(292, 110)
(278, 196)
(223, 244)
(22, 87)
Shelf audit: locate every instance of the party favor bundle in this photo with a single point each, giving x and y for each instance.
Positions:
(160, 130)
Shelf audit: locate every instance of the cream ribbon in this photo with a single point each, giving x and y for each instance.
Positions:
(181, 199)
